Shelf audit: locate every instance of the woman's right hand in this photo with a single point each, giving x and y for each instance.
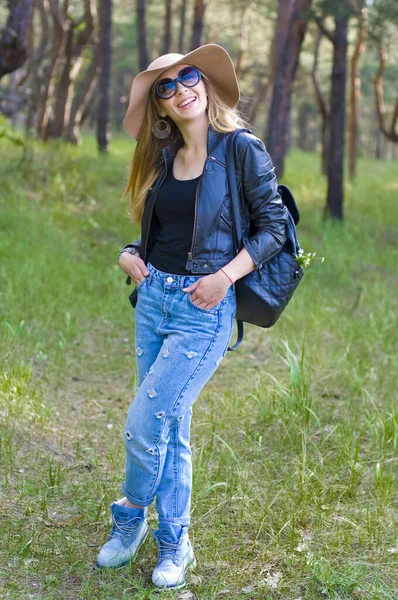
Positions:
(133, 266)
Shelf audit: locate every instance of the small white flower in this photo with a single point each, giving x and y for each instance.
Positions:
(310, 558)
(272, 580)
(301, 546)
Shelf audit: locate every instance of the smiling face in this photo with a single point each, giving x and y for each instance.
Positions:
(188, 103)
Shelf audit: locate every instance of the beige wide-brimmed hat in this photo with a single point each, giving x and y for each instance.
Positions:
(213, 60)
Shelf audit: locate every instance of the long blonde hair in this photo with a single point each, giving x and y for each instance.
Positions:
(143, 171)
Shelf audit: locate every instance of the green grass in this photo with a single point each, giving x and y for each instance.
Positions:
(294, 439)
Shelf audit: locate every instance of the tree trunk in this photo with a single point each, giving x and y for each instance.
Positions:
(335, 195)
(90, 107)
(167, 28)
(323, 109)
(61, 27)
(35, 78)
(258, 99)
(72, 64)
(289, 34)
(82, 98)
(103, 122)
(355, 91)
(390, 132)
(118, 108)
(56, 123)
(182, 26)
(14, 37)
(198, 22)
(304, 140)
(243, 41)
(142, 36)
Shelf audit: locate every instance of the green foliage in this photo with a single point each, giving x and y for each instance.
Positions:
(294, 439)
(17, 399)
(383, 18)
(304, 259)
(6, 133)
(333, 8)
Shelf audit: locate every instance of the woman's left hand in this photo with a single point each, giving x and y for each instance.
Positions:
(209, 290)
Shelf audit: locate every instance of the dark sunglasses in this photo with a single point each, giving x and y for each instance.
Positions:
(167, 87)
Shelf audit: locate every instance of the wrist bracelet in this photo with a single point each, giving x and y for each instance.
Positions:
(227, 275)
(130, 250)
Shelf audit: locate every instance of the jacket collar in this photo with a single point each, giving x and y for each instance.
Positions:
(171, 150)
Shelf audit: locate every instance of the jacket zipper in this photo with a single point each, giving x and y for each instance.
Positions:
(265, 261)
(190, 257)
(194, 220)
(214, 159)
(268, 258)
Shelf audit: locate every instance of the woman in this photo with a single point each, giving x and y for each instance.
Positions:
(185, 268)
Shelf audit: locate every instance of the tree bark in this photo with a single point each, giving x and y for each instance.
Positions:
(258, 99)
(72, 64)
(323, 108)
(35, 78)
(198, 23)
(90, 107)
(167, 28)
(60, 30)
(56, 122)
(355, 91)
(288, 37)
(335, 195)
(391, 132)
(14, 37)
(118, 108)
(103, 120)
(305, 139)
(243, 41)
(142, 36)
(181, 35)
(82, 98)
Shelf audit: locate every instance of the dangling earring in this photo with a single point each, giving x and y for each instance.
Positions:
(161, 129)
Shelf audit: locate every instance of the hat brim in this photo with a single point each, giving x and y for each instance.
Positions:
(213, 60)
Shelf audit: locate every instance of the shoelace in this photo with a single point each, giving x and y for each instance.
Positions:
(126, 529)
(167, 549)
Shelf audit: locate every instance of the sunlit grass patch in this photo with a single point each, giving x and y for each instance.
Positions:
(18, 398)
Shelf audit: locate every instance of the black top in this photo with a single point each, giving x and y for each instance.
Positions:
(175, 211)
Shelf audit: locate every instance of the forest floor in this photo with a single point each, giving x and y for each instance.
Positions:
(294, 439)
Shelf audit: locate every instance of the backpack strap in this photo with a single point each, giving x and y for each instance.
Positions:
(237, 233)
(240, 336)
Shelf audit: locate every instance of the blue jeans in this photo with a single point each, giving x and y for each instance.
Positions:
(178, 347)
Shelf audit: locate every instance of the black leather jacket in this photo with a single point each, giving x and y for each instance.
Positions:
(264, 217)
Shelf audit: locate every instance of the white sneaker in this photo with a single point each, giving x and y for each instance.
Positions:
(129, 531)
(175, 558)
